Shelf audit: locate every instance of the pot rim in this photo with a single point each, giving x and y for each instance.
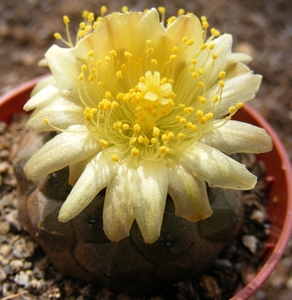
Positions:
(275, 255)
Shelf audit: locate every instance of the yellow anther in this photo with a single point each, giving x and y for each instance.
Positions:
(203, 46)
(120, 96)
(113, 53)
(103, 10)
(85, 14)
(221, 83)
(81, 76)
(195, 75)
(91, 78)
(119, 75)
(209, 116)
(107, 59)
(188, 109)
(181, 105)
(156, 132)
(150, 50)
(66, 20)
(84, 68)
(191, 42)
(81, 25)
(232, 109)
(100, 84)
(215, 32)
(141, 139)
(161, 9)
(154, 62)
(57, 36)
(133, 140)
(202, 100)
(175, 49)
(191, 69)
(164, 149)
(124, 9)
(137, 128)
(180, 136)
(200, 84)
(115, 158)
(170, 20)
(211, 46)
(203, 120)
(126, 126)
(149, 43)
(90, 17)
(103, 143)
(88, 28)
(124, 67)
(214, 55)
(153, 141)
(184, 39)
(194, 128)
(203, 18)
(194, 61)
(239, 104)
(205, 24)
(181, 12)
(164, 138)
(87, 114)
(135, 151)
(114, 104)
(81, 33)
(200, 71)
(90, 53)
(215, 98)
(98, 62)
(46, 120)
(199, 113)
(170, 135)
(222, 75)
(183, 121)
(172, 57)
(128, 54)
(190, 125)
(94, 71)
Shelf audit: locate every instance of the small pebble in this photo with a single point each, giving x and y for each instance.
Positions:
(24, 248)
(4, 167)
(250, 241)
(22, 278)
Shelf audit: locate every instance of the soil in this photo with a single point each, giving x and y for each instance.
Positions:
(261, 28)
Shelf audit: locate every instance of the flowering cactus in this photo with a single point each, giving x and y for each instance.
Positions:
(144, 108)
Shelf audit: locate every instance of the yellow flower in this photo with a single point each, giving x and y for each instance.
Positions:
(143, 110)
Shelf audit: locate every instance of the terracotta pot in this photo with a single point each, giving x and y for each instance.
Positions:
(279, 178)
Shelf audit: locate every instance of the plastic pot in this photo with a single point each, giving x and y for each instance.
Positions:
(279, 178)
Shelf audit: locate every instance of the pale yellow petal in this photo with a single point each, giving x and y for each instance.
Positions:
(96, 176)
(118, 205)
(67, 147)
(216, 168)
(238, 137)
(60, 112)
(151, 186)
(188, 193)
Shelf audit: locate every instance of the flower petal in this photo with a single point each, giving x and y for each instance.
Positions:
(150, 192)
(44, 96)
(238, 137)
(66, 70)
(118, 205)
(68, 147)
(188, 193)
(96, 176)
(216, 168)
(61, 114)
(241, 88)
